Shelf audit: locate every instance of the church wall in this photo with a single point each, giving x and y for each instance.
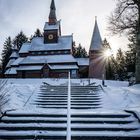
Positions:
(96, 65)
(58, 74)
(83, 71)
(29, 74)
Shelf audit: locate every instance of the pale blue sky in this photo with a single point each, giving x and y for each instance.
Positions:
(77, 17)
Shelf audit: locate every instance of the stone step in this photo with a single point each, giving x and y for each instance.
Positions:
(48, 100)
(85, 101)
(103, 120)
(52, 106)
(33, 120)
(85, 98)
(47, 104)
(105, 127)
(64, 120)
(105, 135)
(86, 95)
(33, 126)
(43, 93)
(46, 96)
(49, 135)
(85, 104)
(100, 115)
(20, 114)
(54, 98)
(63, 126)
(85, 107)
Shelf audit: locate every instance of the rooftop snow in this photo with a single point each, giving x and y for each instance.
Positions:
(96, 42)
(17, 61)
(63, 67)
(83, 61)
(52, 27)
(48, 59)
(9, 63)
(30, 68)
(64, 43)
(11, 71)
(25, 48)
(14, 54)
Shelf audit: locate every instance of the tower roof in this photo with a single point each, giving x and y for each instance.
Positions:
(96, 42)
(14, 54)
(52, 15)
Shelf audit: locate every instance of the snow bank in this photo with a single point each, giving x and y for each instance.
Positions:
(117, 95)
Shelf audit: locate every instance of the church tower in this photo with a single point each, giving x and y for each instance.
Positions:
(96, 57)
(52, 29)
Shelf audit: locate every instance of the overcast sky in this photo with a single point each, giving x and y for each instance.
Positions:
(77, 17)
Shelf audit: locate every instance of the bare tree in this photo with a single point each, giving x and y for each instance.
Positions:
(126, 19)
(3, 94)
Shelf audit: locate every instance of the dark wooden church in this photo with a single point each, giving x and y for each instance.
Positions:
(51, 56)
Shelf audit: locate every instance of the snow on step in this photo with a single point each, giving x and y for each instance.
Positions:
(107, 134)
(49, 135)
(87, 122)
(33, 119)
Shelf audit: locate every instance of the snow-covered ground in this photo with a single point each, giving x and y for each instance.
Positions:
(117, 95)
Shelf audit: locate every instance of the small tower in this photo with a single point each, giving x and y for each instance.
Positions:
(96, 57)
(13, 56)
(52, 29)
(52, 15)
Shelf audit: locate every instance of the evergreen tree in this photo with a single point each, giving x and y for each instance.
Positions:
(37, 33)
(79, 52)
(20, 39)
(6, 52)
(121, 65)
(109, 61)
(131, 55)
(126, 19)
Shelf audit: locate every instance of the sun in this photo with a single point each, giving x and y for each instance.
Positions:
(108, 53)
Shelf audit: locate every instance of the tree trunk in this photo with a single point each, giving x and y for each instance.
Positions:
(138, 51)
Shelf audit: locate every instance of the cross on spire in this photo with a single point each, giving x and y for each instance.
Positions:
(52, 15)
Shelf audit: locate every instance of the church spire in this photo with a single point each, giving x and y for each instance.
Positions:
(96, 42)
(52, 15)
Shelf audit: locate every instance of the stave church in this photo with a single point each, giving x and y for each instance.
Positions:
(51, 56)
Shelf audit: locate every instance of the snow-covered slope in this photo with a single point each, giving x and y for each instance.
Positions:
(117, 95)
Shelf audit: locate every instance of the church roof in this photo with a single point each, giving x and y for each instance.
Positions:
(17, 61)
(83, 61)
(52, 26)
(96, 42)
(63, 67)
(10, 63)
(25, 48)
(48, 59)
(14, 54)
(64, 43)
(29, 68)
(11, 71)
(37, 44)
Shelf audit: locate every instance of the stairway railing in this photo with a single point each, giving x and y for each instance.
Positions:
(69, 109)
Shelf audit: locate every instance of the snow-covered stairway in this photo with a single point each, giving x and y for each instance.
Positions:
(89, 119)
(104, 125)
(52, 97)
(86, 97)
(29, 125)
